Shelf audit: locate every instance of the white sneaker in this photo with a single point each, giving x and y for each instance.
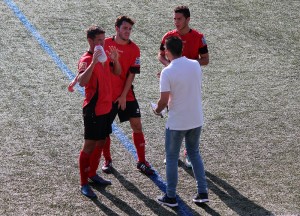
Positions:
(188, 162)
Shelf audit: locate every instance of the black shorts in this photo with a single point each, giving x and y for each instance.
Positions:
(96, 127)
(132, 111)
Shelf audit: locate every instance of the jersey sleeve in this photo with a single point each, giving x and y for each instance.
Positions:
(203, 45)
(163, 42)
(135, 66)
(83, 64)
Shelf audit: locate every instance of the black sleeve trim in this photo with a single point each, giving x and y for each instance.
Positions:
(162, 47)
(135, 70)
(203, 50)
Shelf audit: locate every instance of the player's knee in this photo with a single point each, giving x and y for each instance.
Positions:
(137, 128)
(136, 125)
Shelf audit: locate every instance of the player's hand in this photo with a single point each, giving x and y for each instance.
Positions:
(113, 53)
(71, 86)
(96, 55)
(121, 103)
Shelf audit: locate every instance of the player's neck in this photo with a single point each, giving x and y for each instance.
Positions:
(121, 41)
(184, 30)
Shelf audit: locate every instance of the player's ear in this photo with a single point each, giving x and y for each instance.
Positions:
(188, 19)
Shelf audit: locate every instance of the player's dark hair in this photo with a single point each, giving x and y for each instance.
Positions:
(122, 19)
(174, 45)
(184, 10)
(93, 31)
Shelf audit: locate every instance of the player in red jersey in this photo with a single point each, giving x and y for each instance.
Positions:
(95, 77)
(194, 43)
(125, 104)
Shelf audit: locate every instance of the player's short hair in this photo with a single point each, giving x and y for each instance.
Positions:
(174, 45)
(183, 10)
(93, 31)
(121, 19)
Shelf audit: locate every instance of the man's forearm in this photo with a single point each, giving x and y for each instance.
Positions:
(162, 58)
(85, 77)
(128, 84)
(160, 106)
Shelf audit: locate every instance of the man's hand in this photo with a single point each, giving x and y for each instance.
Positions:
(113, 53)
(71, 86)
(96, 55)
(121, 103)
(154, 106)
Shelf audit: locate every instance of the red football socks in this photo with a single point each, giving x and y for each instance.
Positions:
(84, 166)
(95, 160)
(106, 149)
(139, 142)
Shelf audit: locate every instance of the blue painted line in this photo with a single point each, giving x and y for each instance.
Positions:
(157, 179)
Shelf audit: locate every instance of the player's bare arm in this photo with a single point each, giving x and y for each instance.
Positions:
(122, 99)
(162, 58)
(204, 59)
(85, 76)
(72, 84)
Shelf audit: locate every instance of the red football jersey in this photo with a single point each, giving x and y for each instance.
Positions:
(100, 81)
(193, 43)
(129, 58)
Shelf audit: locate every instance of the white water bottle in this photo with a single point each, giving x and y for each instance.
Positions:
(102, 57)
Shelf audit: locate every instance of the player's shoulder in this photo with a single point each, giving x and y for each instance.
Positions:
(196, 33)
(108, 39)
(171, 33)
(85, 56)
(133, 45)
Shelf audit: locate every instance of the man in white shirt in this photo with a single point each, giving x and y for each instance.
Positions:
(180, 90)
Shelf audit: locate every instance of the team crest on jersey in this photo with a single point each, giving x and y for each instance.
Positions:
(82, 66)
(137, 61)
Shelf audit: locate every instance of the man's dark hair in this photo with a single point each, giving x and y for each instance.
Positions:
(122, 19)
(184, 10)
(174, 45)
(93, 31)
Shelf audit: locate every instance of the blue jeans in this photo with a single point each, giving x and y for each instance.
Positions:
(173, 142)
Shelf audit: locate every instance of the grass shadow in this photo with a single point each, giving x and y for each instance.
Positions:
(155, 207)
(122, 205)
(233, 199)
(229, 195)
(104, 208)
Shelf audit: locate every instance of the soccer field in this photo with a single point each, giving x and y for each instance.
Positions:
(250, 142)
